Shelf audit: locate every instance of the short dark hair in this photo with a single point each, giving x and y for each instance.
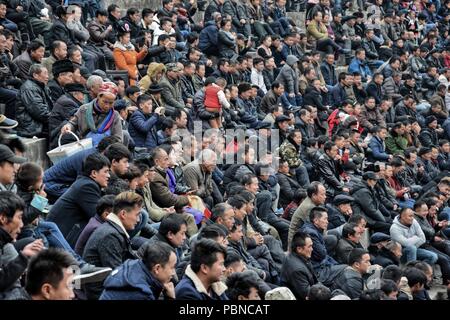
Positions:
(299, 240)
(392, 272)
(205, 252)
(388, 286)
(105, 202)
(356, 218)
(35, 45)
(247, 178)
(319, 292)
(157, 253)
(232, 258)
(142, 99)
(356, 255)
(94, 162)
(240, 284)
(167, 123)
(317, 212)
(117, 151)
(146, 12)
(236, 201)
(415, 276)
(212, 232)
(171, 223)
(9, 204)
(28, 175)
(328, 146)
(47, 267)
(349, 230)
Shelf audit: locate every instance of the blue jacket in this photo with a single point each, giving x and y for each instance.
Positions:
(359, 66)
(319, 257)
(208, 36)
(338, 95)
(378, 150)
(131, 281)
(191, 288)
(60, 177)
(142, 129)
(8, 24)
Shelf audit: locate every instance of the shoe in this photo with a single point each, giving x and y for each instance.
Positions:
(90, 274)
(6, 123)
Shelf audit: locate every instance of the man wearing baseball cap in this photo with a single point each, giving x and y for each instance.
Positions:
(8, 168)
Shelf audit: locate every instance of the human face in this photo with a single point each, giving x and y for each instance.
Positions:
(130, 218)
(333, 152)
(76, 57)
(65, 78)
(116, 13)
(407, 217)
(306, 250)
(364, 265)
(228, 219)
(446, 148)
(182, 121)
(106, 101)
(165, 273)
(320, 197)
(101, 176)
(322, 222)
(382, 134)
(77, 14)
(146, 106)
(14, 226)
(240, 213)
(38, 54)
(64, 289)
(250, 206)
(125, 39)
(217, 269)
(120, 167)
(253, 187)
(61, 51)
(7, 173)
(42, 76)
(2, 11)
(178, 238)
(236, 235)
(346, 209)
(388, 172)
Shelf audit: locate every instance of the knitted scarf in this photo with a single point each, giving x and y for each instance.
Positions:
(107, 123)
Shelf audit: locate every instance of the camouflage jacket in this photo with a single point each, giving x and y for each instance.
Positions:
(290, 154)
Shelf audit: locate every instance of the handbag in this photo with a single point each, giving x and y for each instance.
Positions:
(66, 150)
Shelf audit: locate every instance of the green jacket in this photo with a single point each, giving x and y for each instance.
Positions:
(290, 154)
(396, 145)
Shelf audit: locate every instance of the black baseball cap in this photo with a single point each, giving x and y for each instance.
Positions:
(7, 155)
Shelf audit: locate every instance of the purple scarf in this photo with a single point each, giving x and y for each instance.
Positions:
(172, 180)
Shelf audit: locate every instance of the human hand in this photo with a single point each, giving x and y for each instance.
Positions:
(345, 189)
(169, 210)
(33, 248)
(169, 290)
(110, 27)
(291, 95)
(66, 128)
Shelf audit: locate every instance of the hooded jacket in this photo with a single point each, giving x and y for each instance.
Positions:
(153, 69)
(288, 75)
(131, 281)
(407, 235)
